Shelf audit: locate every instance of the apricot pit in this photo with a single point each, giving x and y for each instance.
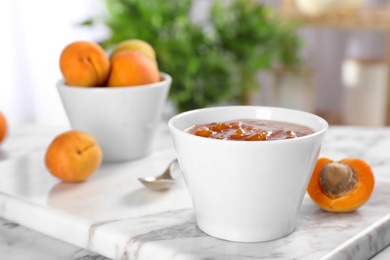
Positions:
(337, 179)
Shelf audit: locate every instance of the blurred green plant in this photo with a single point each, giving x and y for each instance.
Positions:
(209, 65)
(256, 38)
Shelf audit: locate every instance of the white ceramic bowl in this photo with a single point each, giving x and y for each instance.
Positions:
(246, 191)
(124, 120)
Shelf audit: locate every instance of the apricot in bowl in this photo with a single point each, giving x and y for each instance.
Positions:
(131, 68)
(86, 64)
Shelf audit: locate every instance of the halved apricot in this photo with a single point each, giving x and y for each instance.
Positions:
(341, 186)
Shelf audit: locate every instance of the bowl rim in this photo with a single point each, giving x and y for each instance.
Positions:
(166, 80)
(173, 128)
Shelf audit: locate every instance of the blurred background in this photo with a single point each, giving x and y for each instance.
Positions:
(326, 57)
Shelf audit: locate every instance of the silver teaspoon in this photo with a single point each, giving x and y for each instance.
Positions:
(160, 182)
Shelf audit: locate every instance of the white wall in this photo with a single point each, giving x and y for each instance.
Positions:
(33, 34)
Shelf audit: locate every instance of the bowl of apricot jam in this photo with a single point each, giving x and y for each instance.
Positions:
(247, 168)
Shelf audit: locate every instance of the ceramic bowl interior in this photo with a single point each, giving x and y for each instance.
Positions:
(221, 114)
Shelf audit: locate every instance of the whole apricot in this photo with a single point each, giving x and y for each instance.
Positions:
(85, 64)
(73, 156)
(130, 68)
(3, 128)
(135, 45)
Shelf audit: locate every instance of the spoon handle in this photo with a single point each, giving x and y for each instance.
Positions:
(167, 172)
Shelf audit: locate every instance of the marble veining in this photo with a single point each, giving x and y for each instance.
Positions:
(112, 215)
(18, 242)
(186, 230)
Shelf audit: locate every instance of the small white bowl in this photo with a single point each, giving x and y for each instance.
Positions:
(124, 120)
(246, 191)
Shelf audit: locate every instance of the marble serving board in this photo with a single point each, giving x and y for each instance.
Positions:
(112, 214)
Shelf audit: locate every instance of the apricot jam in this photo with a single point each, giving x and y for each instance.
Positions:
(250, 130)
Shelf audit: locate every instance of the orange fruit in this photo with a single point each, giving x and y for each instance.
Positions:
(84, 63)
(131, 68)
(3, 128)
(73, 156)
(135, 45)
(341, 186)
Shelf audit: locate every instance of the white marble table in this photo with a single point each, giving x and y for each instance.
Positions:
(111, 215)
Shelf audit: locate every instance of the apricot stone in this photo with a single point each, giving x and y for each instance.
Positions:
(85, 64)
(73, 156)
(130, 68)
